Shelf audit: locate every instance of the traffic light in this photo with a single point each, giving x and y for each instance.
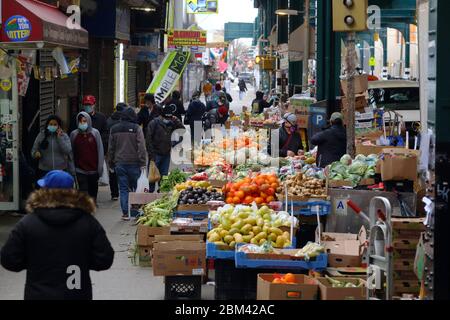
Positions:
(350, 15)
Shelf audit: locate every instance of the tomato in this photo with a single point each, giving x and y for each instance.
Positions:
(259, 200)
(264, 187)
(229, 200)
(270, 199)
(240, 194)
(231, 194)
(270, 191)
(236, 200)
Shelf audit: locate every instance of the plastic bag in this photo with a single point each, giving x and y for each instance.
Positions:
(142, 184)
(154, 175)
(104, 179)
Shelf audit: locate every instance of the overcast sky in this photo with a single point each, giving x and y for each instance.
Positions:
(229, 11)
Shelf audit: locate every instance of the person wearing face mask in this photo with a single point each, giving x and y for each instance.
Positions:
(149, 112)
(290, 141)
(331, 142)
(88, 154)
(159, 139)
(52, 148)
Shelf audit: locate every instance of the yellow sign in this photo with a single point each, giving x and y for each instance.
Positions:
(372, 62)
(6, 84)
(188, 38)
(202, 6)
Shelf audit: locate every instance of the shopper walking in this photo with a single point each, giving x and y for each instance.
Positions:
(88, 155)
(259, 104)
(127, 155)
(176, 100)
(194, 113)
(58, 242)
(112, 120)
(159, 139)
(215, 116)
(331, 142)
(242, 89)
(52, 148)
(149, 112)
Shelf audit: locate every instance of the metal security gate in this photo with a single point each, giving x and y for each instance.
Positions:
(131, 84)
(46, 88)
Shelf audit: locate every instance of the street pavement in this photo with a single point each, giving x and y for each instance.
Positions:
(124, 281)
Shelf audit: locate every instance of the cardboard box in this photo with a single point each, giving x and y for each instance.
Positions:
(146, 235)
(408, 224)
(189, 225)
(345, 183)
(344, 249)
(399, 164)
(419, 259)
(183, 255)
(306, 289)
(361, 84)
(327, 292)
(360, 103)
(370, 149)
(193, 207)
(145, 256)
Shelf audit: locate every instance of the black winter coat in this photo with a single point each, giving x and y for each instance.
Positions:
(195, 112)
(332, 143)
(145, 116)
(180, 108)
(159, 136)
(286, 144)
(58, 242)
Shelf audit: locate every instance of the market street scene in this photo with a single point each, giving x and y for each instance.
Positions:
(254, 150)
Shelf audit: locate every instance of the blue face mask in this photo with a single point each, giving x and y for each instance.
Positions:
(52, 129)
(88, 109)
(83, 126)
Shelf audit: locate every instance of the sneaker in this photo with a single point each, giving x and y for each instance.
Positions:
(114, 198)
(125, 218)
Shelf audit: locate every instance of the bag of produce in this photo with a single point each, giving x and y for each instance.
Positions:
(154, 175)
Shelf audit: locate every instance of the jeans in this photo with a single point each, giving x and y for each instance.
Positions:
(163, 164)
(127, 175)
(88, 183)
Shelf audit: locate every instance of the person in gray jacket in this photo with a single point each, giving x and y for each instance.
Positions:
(88, 154)
(127, 155)
(53, 149)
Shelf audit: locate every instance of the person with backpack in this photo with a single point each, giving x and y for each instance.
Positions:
(88, 155)
(159, 139)
(127, 155)
(52, 148)
(58, 242)
(149, 112)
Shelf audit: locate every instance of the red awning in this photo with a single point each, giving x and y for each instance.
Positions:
(30, 21)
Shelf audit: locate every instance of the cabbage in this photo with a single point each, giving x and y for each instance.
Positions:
(358, 168)
(346, 159)
(369, 173)
(360, 157)
(338, 168)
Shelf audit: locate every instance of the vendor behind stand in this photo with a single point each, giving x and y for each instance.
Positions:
(332, 141)
(290, 140)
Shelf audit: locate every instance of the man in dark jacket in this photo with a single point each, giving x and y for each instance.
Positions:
(115, 119)
(332, 142)
(259, 104)
(176, 100)
(194, 112)
(149, 112)
(290, 141)
(58, 242)
(159, 139)
(215, 116)
(127, 155)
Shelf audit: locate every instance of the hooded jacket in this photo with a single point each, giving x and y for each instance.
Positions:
(159, 136)
(332, 144)
(98, 140)
(57, 156)
(259, 104)
(57, 243)
(127, 141)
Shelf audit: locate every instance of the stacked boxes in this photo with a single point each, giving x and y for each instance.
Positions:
(145, 238)
(405, 237)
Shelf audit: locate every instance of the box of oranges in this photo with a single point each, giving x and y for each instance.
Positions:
(260, 189)
(286, 287)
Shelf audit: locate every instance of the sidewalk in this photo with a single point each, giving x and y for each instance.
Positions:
(122, 282)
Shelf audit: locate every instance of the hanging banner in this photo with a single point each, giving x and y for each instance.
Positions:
(168, 74)
(202, 6)
(186, 38)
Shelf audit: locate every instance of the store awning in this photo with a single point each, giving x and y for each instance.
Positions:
(34, 24)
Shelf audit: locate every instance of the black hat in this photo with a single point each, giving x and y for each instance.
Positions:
(169, 110)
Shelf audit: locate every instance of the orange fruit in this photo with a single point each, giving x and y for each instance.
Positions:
(236, 200)
(270, 199)
(263, 195)
(248, 199)
(259, 200)
(274, 185)
(240, 194)
(277, 281)
(229, 200)
(254, 188)
(231, 194)
(289, 277)
(264, 187)
(270, 191)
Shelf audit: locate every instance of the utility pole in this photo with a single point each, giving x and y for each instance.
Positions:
(350, 68)
(306, 47)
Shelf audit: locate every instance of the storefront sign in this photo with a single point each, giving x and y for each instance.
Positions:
(186, 38)
(5, 84)
(202, 6)
(140, 53)
(18, 28)
(168, 74)
(59, 34)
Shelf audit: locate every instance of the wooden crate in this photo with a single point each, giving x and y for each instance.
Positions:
(406, 286)
(408, 224)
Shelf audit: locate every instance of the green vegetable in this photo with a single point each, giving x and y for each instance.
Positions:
(169, 182)
(159, 212)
